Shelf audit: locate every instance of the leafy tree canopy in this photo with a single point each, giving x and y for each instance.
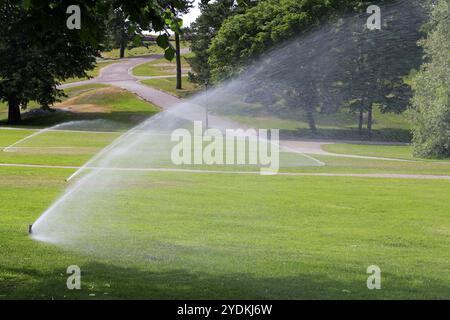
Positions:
(430, 108)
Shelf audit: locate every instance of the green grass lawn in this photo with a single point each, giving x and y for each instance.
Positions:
(169, 84)
(134, 52)
(92, 102)
(160, 67)
(230, 236)
(343, 125)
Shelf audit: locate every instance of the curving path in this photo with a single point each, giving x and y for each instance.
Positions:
(120, 75)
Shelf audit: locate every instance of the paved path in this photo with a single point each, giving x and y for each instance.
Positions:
(120, 75)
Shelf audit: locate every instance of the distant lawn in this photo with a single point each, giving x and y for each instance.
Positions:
(160, 67)
(134, 52)
(169, 84)
(386, 151)
(342, 125)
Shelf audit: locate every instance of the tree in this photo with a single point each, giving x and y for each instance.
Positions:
(430, 107)
(204, 29)
(176, 8)
(367, 69)
(245, 37)
(37, 52)
(372, 70)
(121, 31)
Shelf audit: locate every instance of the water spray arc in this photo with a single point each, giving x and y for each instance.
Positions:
(95, 214)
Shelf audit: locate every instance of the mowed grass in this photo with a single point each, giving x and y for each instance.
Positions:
(204, 236)
(160, 67)
(210, 236)
(342, 125)
(57, 148)
(94, 102)
(169, 85)
(89, 102)
(134, 52)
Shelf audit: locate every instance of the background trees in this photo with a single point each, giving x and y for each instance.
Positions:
(431, 102)
(205, 28)
(370, 67)
(121, 31)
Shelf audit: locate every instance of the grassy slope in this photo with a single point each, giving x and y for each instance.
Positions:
(284, 237)
(159, 67)
(169, 84)
(71, 92)
(135, 52)
(93, 102)
(139, 51)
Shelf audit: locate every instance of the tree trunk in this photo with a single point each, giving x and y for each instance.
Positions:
(311, 120)
(361, 121)
(122, 49)
(369, 121)
(14, 112)
(178, 57)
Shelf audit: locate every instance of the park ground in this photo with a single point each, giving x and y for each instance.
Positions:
(228, 236)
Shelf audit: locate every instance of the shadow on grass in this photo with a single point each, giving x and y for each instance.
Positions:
(383, 135)
(125, 120)
(107, 281)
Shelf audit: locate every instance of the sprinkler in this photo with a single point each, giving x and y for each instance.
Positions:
(30, 229)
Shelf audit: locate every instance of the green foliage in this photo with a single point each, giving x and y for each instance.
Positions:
(430, 108)
(121, 31)
(205, 28)
(201, 33)
(369, 66)
(246, 36)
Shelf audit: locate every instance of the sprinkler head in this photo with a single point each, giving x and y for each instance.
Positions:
(30, 229)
